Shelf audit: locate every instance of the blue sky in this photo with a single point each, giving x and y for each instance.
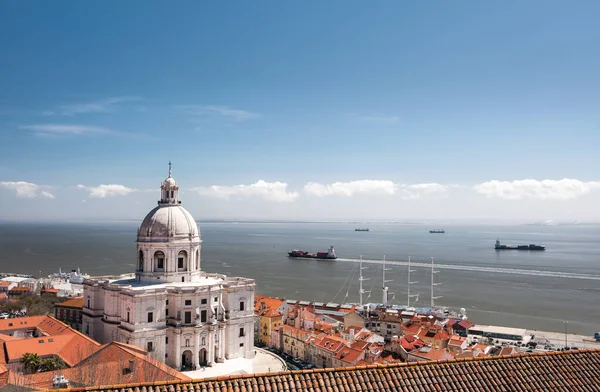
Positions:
(451, 94)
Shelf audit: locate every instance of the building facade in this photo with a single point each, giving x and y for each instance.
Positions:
(181, 315)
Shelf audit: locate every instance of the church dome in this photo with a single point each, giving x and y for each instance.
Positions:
(168, 223)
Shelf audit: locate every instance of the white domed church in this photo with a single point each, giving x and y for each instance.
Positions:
(183, 316)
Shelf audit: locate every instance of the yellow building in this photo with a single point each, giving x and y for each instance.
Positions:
(268, 319)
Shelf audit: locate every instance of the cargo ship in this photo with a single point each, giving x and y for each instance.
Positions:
(365, 229)
(439, 231)
(499, 246)
(302, 254)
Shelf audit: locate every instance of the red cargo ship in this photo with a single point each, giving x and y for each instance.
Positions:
(329, 255)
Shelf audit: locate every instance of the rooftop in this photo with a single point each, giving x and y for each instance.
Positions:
(496, 329)
(555, 371)
(72, 303)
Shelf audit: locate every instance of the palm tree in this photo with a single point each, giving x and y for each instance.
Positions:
(31, 362)
(50, 364)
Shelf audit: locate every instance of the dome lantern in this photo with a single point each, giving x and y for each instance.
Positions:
(169, 191)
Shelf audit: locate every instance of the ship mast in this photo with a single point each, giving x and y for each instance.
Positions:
(433, 272)
(361, 291)
(409, 284)
(385, 288)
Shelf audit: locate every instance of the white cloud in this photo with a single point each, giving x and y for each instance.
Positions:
(377, 187)
(47, 195)
(565, 189)
(107, 190)
(419, 191)
(350, 188)
(102, 106)
(224, 111)
(381, 119)
(27, 190)
(273, 191)
(64, 129)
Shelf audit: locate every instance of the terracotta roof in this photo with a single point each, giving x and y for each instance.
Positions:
(269, 303)
(550, 372)
(3, 296)
(54, 291)
(20, 288)
(20, 323)
(348, 355)
(58, 339)
(72, 303)
(5, 284)
(466, 324)
(107, 366)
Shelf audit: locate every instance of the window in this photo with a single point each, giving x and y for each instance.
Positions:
(166, 340)
(150, 317)
(241, 332)
(167, 302)
(89, 303)
(203, 301)
(242, 304)
(216, 299)
(188, 317)
(149, 347)
(180, 262)
(159, 261)
(241, 344)
(203, 340)
(166, 312)
(187, 342)
(188, 302)
(141, 262)
(203, 316)
(127, 316)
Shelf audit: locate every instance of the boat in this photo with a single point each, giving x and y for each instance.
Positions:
(438, 231)
(500, 246)
(302, 254)
(75, 276)
(365, 229)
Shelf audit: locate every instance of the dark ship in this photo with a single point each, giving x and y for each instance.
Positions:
(302, 254)
(499, 246)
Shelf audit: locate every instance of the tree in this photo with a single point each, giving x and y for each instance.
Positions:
(50, 364)
(31, 362)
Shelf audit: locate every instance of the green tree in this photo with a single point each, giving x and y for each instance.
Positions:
(50, 364)
(31, 362)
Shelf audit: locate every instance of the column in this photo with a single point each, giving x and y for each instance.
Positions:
(177, 350)
(211, 346)
(197, 348)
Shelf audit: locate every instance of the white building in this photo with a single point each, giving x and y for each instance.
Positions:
(182, 315)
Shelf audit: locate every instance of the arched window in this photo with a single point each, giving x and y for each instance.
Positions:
(159, 261)
(198, 260)
(141, 260)
(182, 261)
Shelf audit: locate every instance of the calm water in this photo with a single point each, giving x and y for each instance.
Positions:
(536, 290)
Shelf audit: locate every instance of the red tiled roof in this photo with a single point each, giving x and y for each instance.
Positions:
(550, 372)
(348, 355)
(72, 303)
(106, 366)
(5, 284)
(58, 339)
(466, 324)
(3, 296)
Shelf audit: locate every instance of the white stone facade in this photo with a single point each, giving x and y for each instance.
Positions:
(183, 316)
